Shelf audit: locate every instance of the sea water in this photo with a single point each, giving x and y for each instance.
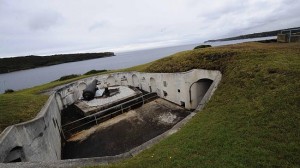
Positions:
(37, 76)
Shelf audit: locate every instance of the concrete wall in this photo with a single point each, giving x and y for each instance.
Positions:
(180, 88)
(40, 139)
(35, 140)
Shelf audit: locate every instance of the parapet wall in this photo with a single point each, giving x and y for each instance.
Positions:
(40, 139)
(181, 88)
(36, 140)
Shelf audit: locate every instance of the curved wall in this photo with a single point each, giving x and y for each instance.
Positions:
(40, 138)
(36, 140)
(174, 87)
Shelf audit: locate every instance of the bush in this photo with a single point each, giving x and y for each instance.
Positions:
(202, 46)
(8, 91)
(68, 77)
(94, 71)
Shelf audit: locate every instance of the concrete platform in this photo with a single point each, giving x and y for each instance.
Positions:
(99, 103)
(124, 132)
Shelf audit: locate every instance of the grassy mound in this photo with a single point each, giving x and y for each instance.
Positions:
(253, 119)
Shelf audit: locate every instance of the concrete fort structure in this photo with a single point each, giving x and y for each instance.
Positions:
(289, 36)
(39, 140)
(186, 88)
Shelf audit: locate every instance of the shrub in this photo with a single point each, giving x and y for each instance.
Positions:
(202, 46)
(68, 77)
(8, 91)
(94, 71)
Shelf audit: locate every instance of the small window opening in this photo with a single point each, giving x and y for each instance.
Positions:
(182, 103)
(165, 93)
(165, 84)
(16, 160)
(15, 155)
(124, 78)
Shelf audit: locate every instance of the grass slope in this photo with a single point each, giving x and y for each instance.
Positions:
(253, 119)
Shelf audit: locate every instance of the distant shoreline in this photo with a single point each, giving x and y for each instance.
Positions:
(249, 36)
(13, 64)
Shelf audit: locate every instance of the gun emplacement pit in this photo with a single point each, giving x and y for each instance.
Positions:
(125, 131)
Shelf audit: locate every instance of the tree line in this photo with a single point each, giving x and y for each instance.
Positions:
(33, 61)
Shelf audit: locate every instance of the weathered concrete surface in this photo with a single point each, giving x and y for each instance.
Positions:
(124, 132)
(176, 85)
(35, 140)
(97, 104)
(83, 162)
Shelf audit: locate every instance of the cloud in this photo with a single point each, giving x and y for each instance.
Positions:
(31, 27)
(97, 25)
(44, 20)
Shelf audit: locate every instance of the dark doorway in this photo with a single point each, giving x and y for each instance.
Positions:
(197, 91)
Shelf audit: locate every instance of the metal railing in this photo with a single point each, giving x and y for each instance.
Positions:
(103, 115)
(290, 32)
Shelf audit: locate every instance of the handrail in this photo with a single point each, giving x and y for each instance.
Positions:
(94, 117)
(91, 115)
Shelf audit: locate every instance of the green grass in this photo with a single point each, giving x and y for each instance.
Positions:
(252, 120)
(16, 108)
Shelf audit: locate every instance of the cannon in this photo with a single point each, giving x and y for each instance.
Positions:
(90, 90)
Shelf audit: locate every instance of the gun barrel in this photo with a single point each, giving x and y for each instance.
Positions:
(90, 90)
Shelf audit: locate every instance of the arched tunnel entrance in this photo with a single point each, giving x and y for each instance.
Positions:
(197, 91)
(15, 155)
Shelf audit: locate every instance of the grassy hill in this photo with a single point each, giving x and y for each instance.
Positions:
(252, 120)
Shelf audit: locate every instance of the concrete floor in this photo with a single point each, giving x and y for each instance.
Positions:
(124, 132)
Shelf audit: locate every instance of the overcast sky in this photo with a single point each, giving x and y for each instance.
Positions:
(66, 26)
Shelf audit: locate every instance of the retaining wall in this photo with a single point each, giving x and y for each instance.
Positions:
(35, 140)
(176, 87)
(39, 139)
